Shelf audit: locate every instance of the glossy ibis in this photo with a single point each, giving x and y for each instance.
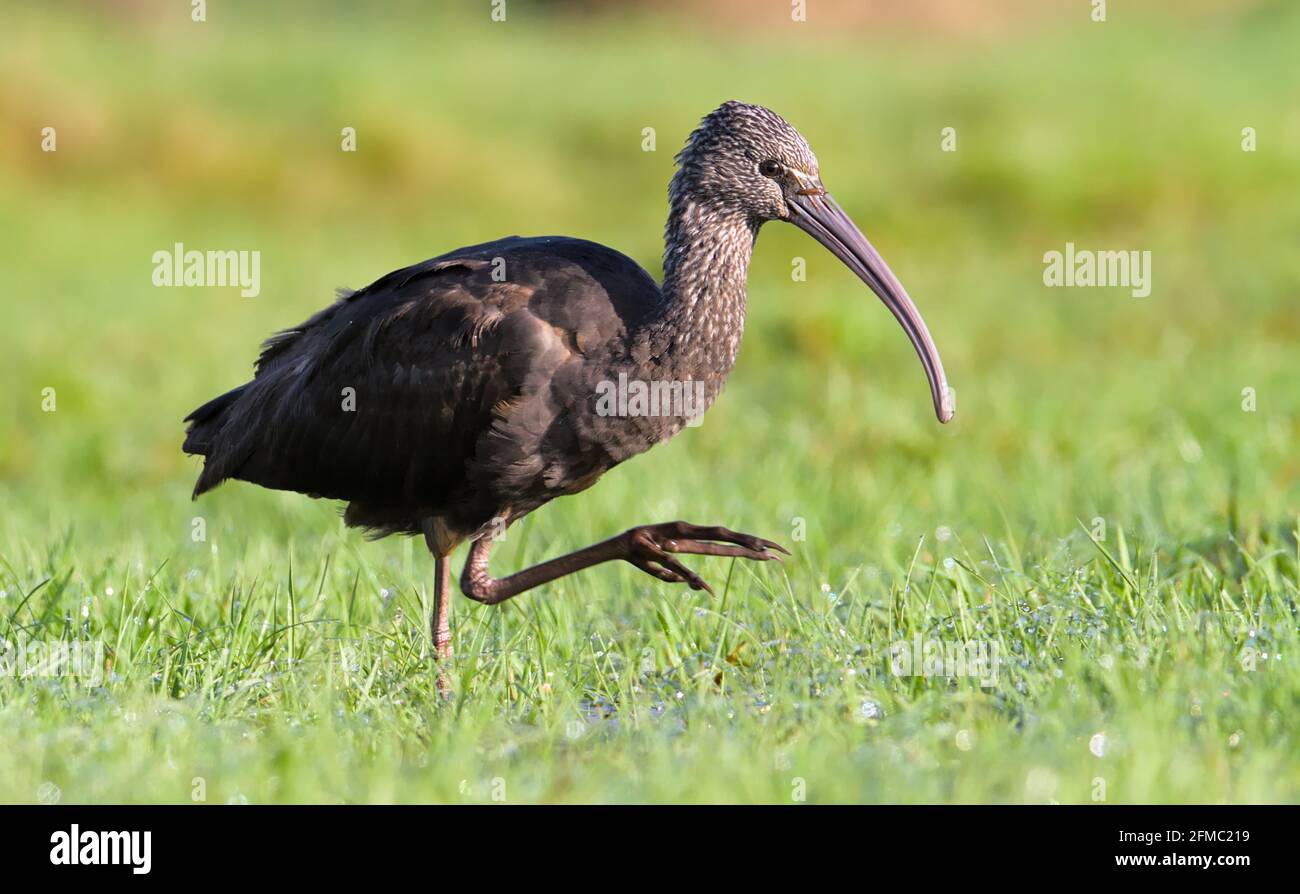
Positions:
(453, 397)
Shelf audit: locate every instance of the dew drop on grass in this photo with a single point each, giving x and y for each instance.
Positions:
(870, 709)
(1097, 745)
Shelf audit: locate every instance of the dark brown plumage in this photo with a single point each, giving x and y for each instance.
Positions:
(465, 389)
(455, 396)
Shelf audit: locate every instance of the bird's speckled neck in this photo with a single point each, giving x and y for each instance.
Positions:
(707, 249)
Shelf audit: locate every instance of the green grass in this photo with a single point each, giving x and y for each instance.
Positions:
(284, 658)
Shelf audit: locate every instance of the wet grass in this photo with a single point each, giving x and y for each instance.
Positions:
(1110, 515)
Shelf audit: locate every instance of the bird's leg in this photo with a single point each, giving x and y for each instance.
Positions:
(440, 623)
(648, 547)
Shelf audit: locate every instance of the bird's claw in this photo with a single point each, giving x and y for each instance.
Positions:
(650, 548)
(652, 555)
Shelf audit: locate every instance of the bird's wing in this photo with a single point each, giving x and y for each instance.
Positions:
(381, 396)
(446, 383)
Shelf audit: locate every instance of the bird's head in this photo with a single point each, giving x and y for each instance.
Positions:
(746, 160)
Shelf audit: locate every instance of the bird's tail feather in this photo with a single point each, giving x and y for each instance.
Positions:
(205, 425)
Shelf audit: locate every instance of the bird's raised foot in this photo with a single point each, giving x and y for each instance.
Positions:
(650, 548)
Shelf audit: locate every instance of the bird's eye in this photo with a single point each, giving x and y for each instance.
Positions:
(771, 168)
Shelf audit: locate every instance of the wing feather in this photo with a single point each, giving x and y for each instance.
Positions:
(432, 390)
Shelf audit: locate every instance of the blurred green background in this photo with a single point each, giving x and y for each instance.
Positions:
(1073, 404)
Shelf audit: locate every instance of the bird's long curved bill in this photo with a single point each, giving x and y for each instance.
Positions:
(819, 215)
